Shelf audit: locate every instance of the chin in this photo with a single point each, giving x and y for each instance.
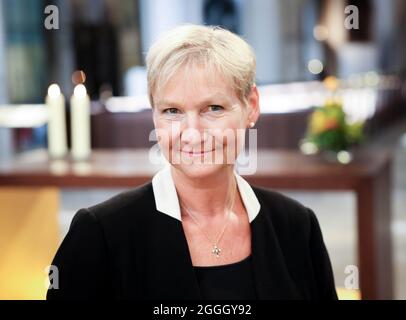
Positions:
(199, 171)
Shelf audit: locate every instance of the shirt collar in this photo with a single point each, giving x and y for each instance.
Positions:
(166, 197)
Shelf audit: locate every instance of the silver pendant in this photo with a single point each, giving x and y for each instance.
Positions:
(216, 251)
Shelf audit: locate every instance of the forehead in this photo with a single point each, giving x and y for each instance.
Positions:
(195, 84)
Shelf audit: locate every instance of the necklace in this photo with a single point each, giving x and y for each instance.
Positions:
(215, 248)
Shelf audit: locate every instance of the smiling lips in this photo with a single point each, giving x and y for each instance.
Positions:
(195, 154)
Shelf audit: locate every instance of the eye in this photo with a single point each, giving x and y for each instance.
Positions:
(170, 111)
(215, 108)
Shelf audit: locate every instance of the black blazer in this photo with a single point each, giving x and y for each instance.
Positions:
(125, 248)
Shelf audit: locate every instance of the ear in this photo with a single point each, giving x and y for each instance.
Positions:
(253, 105)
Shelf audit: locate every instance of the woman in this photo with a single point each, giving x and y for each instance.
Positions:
(198, 230)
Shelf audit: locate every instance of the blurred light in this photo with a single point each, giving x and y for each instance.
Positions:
(371, 79)
(80, 91)
(331, 83)
(54, 91)
(105, 92)
(344, 157)
(23, 116)
(291, 97)
(355, 81)
(78, 77)
(127, 104)
(359, 104)
(320, 33)
(308, 148)
(82, 168)
(315, 66)
(59, 167)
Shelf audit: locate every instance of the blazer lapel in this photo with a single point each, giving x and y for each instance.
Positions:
(271, 276)
(186, 267)
(175, 278)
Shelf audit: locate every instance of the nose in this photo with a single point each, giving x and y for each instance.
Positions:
(192, 132)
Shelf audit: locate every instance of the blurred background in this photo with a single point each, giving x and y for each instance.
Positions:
(308, 51)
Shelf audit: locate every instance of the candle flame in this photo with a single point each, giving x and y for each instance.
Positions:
(54, 91)
(80, 91)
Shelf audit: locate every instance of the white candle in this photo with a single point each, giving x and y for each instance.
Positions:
(55, 102)
(80, 123)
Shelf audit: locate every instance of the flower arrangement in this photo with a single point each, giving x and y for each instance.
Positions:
(329, 130)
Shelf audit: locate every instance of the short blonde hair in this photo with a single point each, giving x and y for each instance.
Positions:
(212, 47)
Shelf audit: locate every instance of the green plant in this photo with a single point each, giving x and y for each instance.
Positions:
(328, 128)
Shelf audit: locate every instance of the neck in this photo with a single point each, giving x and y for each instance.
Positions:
(208, 196)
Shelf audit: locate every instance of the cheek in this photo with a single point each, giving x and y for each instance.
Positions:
(228, 132)
(167, 133)
(228, 143)
(230, 139)
(232, 127)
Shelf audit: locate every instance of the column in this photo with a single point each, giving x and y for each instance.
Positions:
(158, 16)
(261, 27)
(6, 142)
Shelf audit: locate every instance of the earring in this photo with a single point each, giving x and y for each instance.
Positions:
(252, 124)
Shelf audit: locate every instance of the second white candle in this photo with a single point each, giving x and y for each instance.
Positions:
(80, 123)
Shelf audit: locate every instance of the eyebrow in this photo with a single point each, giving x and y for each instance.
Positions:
(205, 101)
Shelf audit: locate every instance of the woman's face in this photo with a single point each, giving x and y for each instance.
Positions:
(200, 122)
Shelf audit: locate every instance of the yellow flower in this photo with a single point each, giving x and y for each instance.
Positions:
(329, 102)
(317, 122)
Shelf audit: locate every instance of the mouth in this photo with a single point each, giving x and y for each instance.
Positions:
(196, 153)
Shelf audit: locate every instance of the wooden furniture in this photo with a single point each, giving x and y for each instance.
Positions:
(368, 175)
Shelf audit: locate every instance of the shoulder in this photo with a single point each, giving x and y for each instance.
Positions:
(281, 204)
(126, 198)
(131, 204)
(300, 240)
(283, 212)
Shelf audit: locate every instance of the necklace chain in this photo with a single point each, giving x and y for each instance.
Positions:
(216, 250)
